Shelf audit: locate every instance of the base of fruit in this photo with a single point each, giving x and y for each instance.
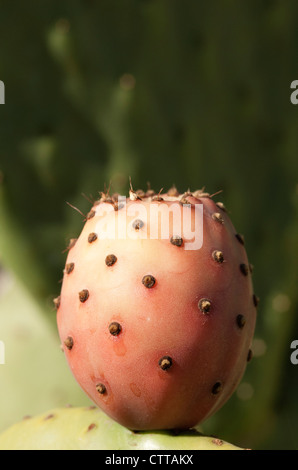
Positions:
(90, 429)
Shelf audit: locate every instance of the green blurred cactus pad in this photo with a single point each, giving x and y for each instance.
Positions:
(88, 428)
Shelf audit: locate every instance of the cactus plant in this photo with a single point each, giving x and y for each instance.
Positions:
(88, 428)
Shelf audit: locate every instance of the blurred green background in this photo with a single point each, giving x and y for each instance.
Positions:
(187, 92)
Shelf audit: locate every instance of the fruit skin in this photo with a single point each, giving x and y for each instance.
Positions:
(185, 318)
(91, 429)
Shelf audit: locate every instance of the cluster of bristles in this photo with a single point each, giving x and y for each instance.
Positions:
(204, 305)
(140, 195)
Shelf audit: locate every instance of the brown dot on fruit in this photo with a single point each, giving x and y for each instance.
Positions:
(118, 206)
(217, 442)
(110, 260)
(92, 237)
(57, 302)
(256, 300)
(217, 387)
(184, 201)
(133, 195)
(218, 217)
(165, 362)
(204, 305)
(69, 343)
(91, 426)
(101, 388)
(148, 281)
(69, 268)
(177, 241)
(244, 269)
(240, 320)
(115, 328)
(50, 416)
(221, 206)
(249, 355)
(240, 238)
(83, 295)
(157, 198)
(91, 214)
(137, 224)
(217, 255)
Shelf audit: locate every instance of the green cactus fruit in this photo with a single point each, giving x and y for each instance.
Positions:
(89, 428)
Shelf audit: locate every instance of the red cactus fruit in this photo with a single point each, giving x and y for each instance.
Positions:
(157, 310)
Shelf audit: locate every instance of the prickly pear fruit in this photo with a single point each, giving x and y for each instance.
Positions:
(157, 311)
(91, 429)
